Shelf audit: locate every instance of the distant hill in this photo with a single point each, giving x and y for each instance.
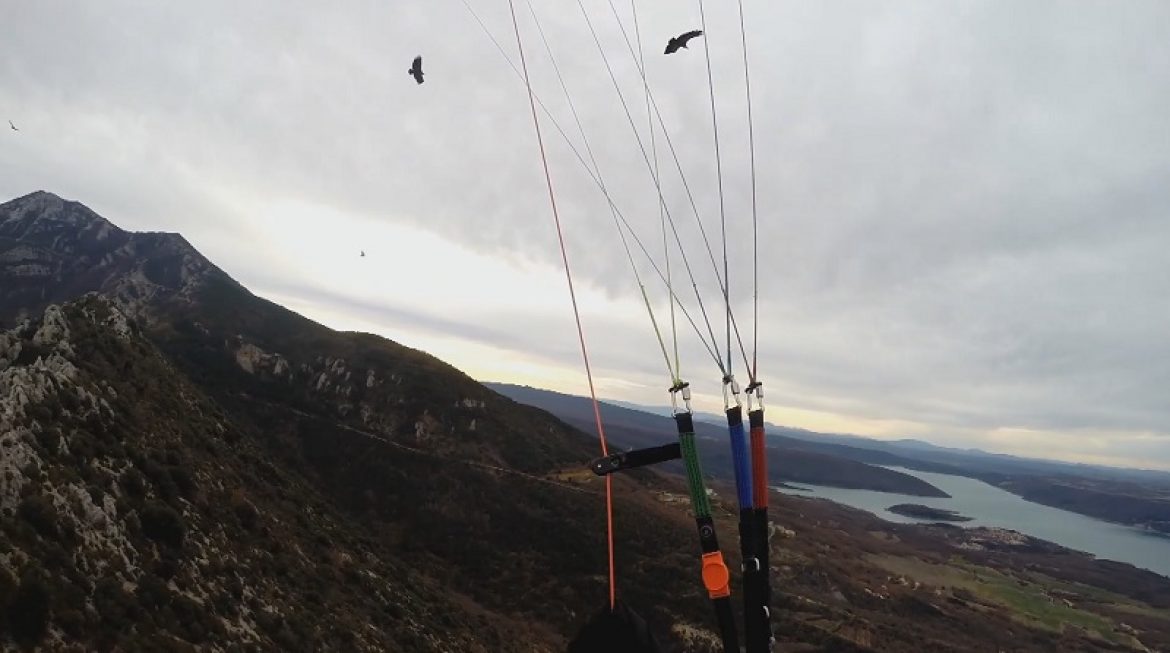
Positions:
(788, 459)
(1126, 496)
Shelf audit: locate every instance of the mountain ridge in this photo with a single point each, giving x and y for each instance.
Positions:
(787, 460)
(1126, 496)
(366, 425)
(87, 253)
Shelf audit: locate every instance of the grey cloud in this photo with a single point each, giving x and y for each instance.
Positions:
(541, 338)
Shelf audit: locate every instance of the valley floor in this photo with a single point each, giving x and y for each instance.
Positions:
(845, 580)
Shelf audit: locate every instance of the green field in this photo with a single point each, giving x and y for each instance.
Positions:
(1027, 599)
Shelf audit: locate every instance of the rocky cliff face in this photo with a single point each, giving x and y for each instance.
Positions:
(135, 515)
(53, 250)
(287, 485)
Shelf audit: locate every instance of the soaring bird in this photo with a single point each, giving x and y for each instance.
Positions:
(416, 69)
(680, 41)
(12, 126)
(363, 253)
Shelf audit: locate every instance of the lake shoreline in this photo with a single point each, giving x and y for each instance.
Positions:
(993, 507)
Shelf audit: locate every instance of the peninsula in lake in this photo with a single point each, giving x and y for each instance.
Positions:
(920, 511)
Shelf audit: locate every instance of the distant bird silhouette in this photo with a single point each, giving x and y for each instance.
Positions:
(680, 41)
(416, 69)
(12, 126)
(363, 253)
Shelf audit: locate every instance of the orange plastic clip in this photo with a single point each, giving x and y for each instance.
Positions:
(716, 578)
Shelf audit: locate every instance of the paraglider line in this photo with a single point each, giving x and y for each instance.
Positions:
(657, 182)
(686, 188)
(719, 180)
(747, 82)
(573, 297)
(657, 175)
(672, 370)
(708, 346)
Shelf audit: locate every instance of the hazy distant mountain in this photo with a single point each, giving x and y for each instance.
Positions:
(927, 456)
(788, 459)
(1127, 496)
(661, 411)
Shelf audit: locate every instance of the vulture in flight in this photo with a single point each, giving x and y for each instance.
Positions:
(680, 41)
(416, 70)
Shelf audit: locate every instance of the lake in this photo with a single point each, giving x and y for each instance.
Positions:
(990, 506)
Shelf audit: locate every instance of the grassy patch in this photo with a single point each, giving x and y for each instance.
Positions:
(1029, 602)
(1100, 596)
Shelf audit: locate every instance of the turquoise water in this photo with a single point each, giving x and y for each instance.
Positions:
(990, 506)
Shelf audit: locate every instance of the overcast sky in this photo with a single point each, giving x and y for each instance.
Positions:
(963, 206)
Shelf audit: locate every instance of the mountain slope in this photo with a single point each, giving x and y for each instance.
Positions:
(448, 475)
(137, 501)
(250, 518)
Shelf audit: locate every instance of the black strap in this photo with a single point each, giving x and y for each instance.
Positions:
(725, 615)
(709, 544)
(752, 598)
(757, 577)
(757, 618)
(637, 458)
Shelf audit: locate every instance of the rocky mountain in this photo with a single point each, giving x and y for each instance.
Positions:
(186, 466)
(321, 452)
(52, 250)
(139, 516)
